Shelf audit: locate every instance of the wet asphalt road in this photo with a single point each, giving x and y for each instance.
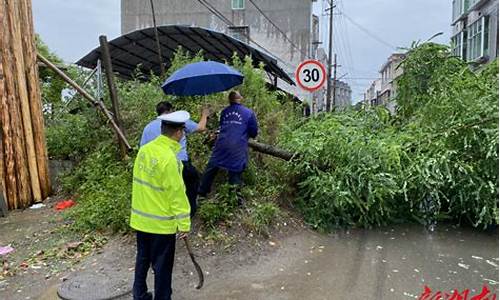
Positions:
(390, 263)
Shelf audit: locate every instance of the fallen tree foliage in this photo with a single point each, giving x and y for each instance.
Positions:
(436, 159)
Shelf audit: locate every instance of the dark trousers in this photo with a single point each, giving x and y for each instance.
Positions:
(209, 176)
(191, 179)
(156, 250)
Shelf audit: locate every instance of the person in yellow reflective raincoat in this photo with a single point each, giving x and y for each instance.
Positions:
(160, 209)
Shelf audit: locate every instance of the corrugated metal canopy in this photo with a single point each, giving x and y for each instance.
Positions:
(137, 50)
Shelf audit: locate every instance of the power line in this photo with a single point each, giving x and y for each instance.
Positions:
(215, 12)
(361, 78)
(221, 16)
(368, 32)
(345, 44)
(347, 41)
(279, 29)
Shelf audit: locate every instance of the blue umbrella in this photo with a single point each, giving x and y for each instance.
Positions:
(202, 78)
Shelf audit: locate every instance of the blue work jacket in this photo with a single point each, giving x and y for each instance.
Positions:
(237, 124)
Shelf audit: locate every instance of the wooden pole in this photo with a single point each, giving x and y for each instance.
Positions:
(106, 58)
(8, 171)
(22, 89)
(158, 46)
(35, 99)
(87, 96)
(3, 204)
(13, 99)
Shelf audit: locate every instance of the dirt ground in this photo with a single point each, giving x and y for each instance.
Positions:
(43, 251)
(293, 262)
(45, 256)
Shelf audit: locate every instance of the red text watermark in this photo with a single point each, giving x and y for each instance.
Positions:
(484, 294)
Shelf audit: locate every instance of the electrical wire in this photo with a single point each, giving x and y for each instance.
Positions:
(221, 16)
(343, 40)
(368, 32)
(279, 29)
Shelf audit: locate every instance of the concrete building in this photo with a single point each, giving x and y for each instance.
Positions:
(242, 20)
(382, 91)
(372, 93)
(475, 30)
(343, 94)
(389, 72)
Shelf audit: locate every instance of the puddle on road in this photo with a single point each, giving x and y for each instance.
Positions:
(388, 263)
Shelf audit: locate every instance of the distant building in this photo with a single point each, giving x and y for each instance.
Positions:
(383, 91)
(372, 93)
(475, 30)
(389, 72)
(242, 20)
(343, 94)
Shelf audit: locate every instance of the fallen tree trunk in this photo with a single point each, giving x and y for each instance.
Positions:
(270, 150)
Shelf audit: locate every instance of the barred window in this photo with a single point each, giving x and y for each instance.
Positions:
(238, 4)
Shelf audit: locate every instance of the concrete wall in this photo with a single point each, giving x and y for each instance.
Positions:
(294, 17)
(58, 168)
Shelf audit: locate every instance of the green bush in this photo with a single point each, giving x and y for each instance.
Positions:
(103, 182)
(73, 136)
(103, 186)
(220, 208)
(436, 159)
(261, 216)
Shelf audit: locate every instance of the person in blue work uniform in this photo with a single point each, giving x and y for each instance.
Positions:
(189, 174)
(237, 124)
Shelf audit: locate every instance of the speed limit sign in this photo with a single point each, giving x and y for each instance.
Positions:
(310, 75)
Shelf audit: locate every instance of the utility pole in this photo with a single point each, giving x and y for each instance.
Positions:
(334, 80)
(160, 57)
(330, 47)
(113, 94)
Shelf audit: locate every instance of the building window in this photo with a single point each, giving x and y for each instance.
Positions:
(477, 39)
(238, 4)
(458, 46)
(459, 8)
(473, 2)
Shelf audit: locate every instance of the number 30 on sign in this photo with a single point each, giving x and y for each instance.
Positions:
(310, 75)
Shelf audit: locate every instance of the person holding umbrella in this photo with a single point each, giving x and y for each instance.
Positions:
(190, 175)
(237, 124)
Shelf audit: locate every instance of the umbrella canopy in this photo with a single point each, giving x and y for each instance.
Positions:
(202, 78)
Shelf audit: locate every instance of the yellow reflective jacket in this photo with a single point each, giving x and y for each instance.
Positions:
(159, 202)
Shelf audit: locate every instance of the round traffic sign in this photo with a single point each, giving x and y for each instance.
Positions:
(310, 75)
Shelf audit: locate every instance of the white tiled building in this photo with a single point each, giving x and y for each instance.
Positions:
(475, 30)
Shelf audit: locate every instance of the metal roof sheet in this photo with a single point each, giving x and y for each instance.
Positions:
(137, 50)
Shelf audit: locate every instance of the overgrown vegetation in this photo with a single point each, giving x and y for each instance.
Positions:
(436, 159)
(102, 182)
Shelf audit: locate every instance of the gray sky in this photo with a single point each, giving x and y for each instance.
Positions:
(71, 28)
